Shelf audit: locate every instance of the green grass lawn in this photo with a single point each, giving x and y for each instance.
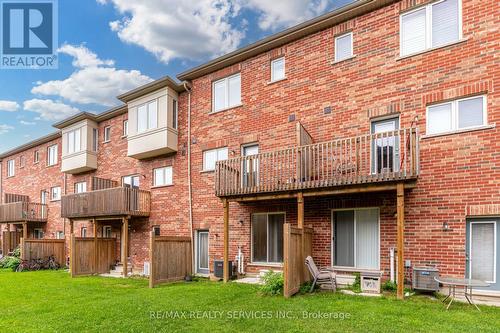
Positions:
(53, 302)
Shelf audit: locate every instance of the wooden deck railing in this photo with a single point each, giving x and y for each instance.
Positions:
(368, 158)
(23, 211)
(119, 201)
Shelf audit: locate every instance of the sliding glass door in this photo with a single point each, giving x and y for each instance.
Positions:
(356, 238)
(267, 237)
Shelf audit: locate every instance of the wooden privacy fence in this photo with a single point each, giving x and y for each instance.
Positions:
(170, 259)
(90, 257)
(10, 240)
(297, 244)
(42, 249)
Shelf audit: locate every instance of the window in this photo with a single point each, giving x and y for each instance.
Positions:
(132, 181)
(210, 157)
(125, 127)
(174, 114)
(343, 47)
(278, 69)
(81, 187)
(147, 116)
(83, 232)
(95, 139)
(250, 170)
(162, 176)
(356, 238)
(60, 235)
(11, 168)
(385, 148)
(36, 156)
(52, 155)
(226, 93)
(55, 193)
(433, 25)
(106, 231)
(267, 237)
(107, 133)
(37, 233)
(456, 115)
(156, 230)
(74, 141)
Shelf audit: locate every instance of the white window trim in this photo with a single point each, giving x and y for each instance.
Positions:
(59, 234)
(196, 257)
(163, 170)
(284, 69)
(428, 28)
(107, 134)
(352, 47)
(332, 231)
(40, 232)
(107, 227)
(494, 250)
(52, 193)
(36, 156)
(76, 149)
(264, 263)
(82, 233)
(76, 186)
(454, 116)
(56, 151)
(125, 128)
(95, 140)
(175, 118)
(11, 168)
(157, 101)
(226, 95)
(217, 150)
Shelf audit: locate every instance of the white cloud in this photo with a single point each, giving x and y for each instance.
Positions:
(50, 110)
(83, 57)
(282, 13)
(170, 29)
(5, 128)
(27, 123)
(94, 82)
(9, 106)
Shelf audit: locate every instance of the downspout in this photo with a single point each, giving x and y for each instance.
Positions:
(187, 87)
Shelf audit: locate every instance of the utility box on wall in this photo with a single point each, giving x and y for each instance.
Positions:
(423, 278)
(370, 282)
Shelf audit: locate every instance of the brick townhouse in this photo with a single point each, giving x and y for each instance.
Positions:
(333, 124)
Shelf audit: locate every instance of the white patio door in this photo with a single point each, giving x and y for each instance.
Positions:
(385, 149)
(202, 259)
(250, 169)
(482, 254)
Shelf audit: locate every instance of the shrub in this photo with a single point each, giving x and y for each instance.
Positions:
(389, 286)
(273, 284)
(10, 262)
(356, 286)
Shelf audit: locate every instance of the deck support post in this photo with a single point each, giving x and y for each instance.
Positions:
(400, 238)
(71, 244)
(226, 240)
(96, 255)
(300, 210)
(25, 230)
(125, 246)
(7, 240)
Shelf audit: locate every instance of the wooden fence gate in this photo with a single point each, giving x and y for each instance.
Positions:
(170, 259)
(43, 248)
(297, 245)
(90, 257)
(10, 243)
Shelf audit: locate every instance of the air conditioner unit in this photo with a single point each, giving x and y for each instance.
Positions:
(146, 268)
(219, 269)
(423, 278)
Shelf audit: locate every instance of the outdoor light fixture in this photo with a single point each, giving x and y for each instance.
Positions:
(446, 227)
(241, 222)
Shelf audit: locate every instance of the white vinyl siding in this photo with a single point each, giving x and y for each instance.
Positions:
(74, 141)
(343, 47)
(55, 193)
(163, 176)
(278, 69)
(226, 93)
(81, 187)
(210, 157)
(52, 155)
(430, 26)
(11, 168)
(147, 116)
(461, 114)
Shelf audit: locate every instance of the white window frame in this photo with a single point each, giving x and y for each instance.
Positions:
(59, 234)
(455, 117)
(36, 156)
(95, 139)
(149, 127)
(273, 62)
(58, 192)
(105, 230)
(352, 46)
(72, 146)
(11, 168)
(131, 177)
(217, 150)
(175, 114)
(80, 184)
(125, 128)
(428, 27)
(332, 232)
(267, 238)
(22, 161)
(494, 250)
(40, 233)
(52, 152)
(164, 171)
(83, 232)
(226, 94)
(107, 134)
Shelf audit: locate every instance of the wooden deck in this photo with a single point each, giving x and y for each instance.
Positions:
(365, 160)
(111, 202)
(23, 212)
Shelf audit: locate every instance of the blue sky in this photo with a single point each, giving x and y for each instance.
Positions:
(107, 47)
